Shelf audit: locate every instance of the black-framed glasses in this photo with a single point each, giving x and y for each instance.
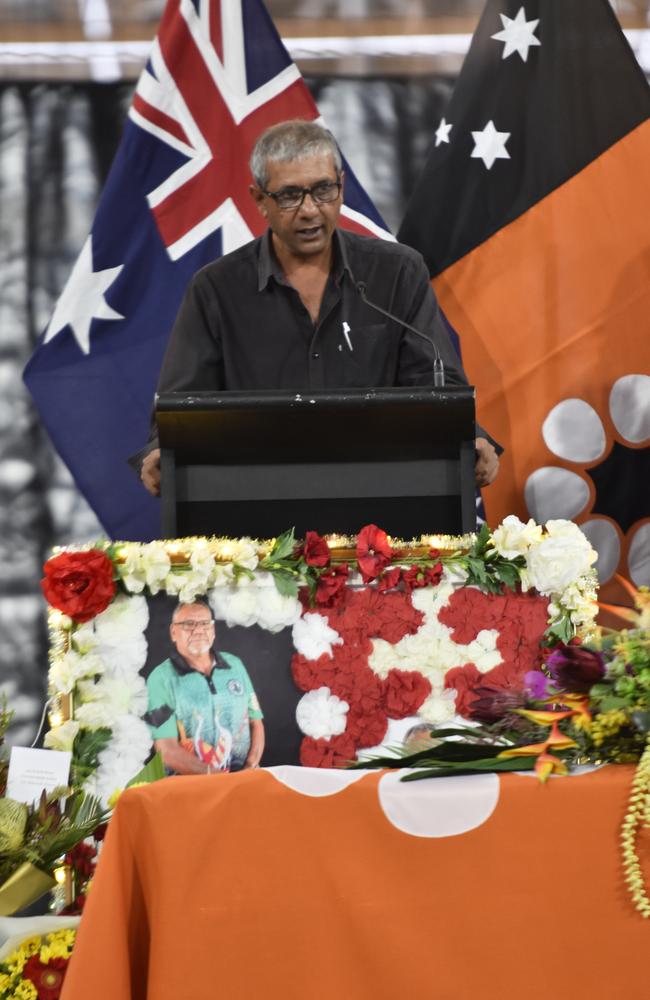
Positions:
(198, 626)
(323, 193)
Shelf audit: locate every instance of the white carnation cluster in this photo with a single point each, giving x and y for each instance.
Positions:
(313, 636)
(254, 601)
(103, 668)
(431, 651)
(321, 714)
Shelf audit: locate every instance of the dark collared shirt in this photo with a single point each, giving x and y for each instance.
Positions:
(243, 326)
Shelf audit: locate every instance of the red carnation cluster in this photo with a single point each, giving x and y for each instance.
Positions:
(361, 615)
(521, 620)
(386, 612)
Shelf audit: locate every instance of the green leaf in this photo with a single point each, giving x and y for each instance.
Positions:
(477, 569)
(562, 629)
(490, 764)
(612, 702)
(286, 584)
(153, 771)
(507, 573)
(283, 548)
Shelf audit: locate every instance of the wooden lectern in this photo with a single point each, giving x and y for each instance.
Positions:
(256, 463)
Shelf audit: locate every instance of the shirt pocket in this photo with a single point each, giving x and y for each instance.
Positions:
(368, 356)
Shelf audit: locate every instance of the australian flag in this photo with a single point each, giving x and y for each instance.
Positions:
(175, 199)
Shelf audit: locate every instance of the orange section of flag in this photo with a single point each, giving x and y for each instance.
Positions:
(557, 306)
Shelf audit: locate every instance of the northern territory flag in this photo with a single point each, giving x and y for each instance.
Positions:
(533, 214)
(176, 198)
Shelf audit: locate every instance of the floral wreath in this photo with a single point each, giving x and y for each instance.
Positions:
(382, 629)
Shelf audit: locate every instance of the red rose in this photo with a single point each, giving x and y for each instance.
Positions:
(80, 584)
(330, 588)
(46, 977)
(315, 551)
(335, 752)
(404, 691)
(373, 551)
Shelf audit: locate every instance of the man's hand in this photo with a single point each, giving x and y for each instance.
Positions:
(487, 462)
(150, 472)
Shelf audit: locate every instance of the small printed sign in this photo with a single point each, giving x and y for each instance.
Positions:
(32, 771)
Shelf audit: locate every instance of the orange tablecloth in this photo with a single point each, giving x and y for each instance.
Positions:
(237, 886)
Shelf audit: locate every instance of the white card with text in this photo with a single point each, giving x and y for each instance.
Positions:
(31, 771)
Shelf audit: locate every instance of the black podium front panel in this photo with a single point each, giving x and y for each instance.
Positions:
(258, 463)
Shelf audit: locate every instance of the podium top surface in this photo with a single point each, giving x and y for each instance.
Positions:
(346, 423)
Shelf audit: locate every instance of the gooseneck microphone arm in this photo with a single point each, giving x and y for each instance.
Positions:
(438, 366)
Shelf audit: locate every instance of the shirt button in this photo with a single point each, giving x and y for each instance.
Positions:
(316, 356)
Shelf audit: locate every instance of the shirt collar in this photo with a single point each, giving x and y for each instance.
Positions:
(268, 266)
(181, 666)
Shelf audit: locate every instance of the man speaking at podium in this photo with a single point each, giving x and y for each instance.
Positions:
(295, 308)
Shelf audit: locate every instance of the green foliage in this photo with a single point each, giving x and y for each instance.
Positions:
(87, 746)
(154, 770)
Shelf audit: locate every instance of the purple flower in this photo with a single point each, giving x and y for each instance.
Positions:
(575, 668)
(537, 685)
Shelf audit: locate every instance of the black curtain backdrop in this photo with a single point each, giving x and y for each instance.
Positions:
(57, 143)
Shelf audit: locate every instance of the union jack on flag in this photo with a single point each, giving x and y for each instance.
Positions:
(175, 199)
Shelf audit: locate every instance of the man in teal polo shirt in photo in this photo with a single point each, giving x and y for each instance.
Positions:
(202, 711)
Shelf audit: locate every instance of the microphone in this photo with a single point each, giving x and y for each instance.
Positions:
(438, 366)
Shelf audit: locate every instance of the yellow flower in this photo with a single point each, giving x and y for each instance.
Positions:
(25, 991)
(58, 944)
(5, 982)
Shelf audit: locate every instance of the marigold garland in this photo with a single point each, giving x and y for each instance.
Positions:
(637, 815)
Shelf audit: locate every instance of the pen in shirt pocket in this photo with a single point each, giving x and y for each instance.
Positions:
(346, 334)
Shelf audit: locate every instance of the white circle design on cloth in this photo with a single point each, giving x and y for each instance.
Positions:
(314, 781)
(574, 432)
(438, 807)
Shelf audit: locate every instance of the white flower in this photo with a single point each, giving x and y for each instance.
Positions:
(312, 636)
(131, 569)
(62, 737)
(131, 741)
(483, 652)
(103, 702)
(223, 574)
(156, 564)
(321, 715)
(72, 667)
(438, 707)
(514, 538)
(124, 659)
(125, 617)
(558, 561)
(276, 611)
(562, 528)
(202, 563)
(243, 551)
(234, 605)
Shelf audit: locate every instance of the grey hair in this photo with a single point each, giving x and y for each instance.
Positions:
(292, 140)
(183, 604)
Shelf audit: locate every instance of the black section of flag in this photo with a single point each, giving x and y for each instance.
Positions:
(621, 483)
(541, 102)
